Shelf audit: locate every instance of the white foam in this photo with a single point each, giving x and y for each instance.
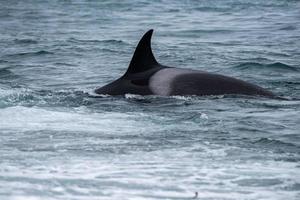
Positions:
(134, 96)
(33, 119)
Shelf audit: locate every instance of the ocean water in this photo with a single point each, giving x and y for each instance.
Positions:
(59, 141)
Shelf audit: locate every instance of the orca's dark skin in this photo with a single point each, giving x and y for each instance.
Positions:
(145, 76)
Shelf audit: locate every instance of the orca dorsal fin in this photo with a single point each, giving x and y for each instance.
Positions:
(143, 58)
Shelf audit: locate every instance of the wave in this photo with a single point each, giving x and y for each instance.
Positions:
(211, 9)
(3, 61)
(83, 41)
(271, 141)
(25, 41)
(4, 72)
(277, 145)
(29, 97)
(277, 66)
(197, 32)
(35, 53)
(64, 64)
(288, 28)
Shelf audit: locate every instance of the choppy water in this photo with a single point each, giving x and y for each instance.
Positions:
(59, 142)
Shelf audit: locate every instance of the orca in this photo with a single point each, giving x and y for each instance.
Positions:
(145, 76)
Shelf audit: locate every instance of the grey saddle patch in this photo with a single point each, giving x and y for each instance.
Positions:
(161, 82)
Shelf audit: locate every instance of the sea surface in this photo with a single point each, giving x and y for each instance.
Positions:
(61, 141)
